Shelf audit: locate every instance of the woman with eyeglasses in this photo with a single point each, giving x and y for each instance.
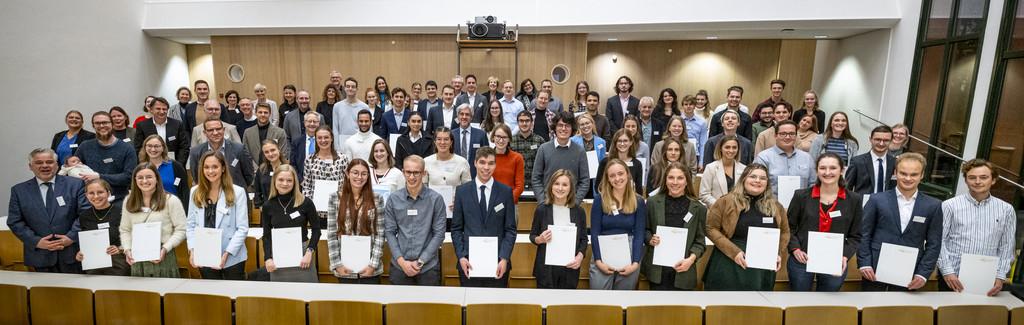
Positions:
(510, 168)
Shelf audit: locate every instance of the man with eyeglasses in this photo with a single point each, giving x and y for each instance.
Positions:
(240, 164)
(113, 159)
(784, 160)
(871, 172)
(414, 224)
(468, 139)
(526, 143)
(560, 153)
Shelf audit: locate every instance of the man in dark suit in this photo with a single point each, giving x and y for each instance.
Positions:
(484, 208)
(468, 139)
(304, 145)
(396, 119)
(475, 100)
(871, 172)
(901, 216)
(240, 164)
(618, 106)
(746, 128)
(254, 136)
(426, 105)
(174, 133)
(444, 114)
(652, 126)
(43, 212)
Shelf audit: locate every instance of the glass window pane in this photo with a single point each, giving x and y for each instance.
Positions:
(1017, 41)
(956, 105)
(970, 17)
(938, 19)
(1007, 149)
(928, 80)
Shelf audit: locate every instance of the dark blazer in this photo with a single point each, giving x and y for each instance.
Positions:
(424, 147)
(694, 239)
(469, 221)
(657, 131)
(543, 217)
(178, 139)
(480, 105)
(327, 112)
(240, 164)
(261, 186)
(613, 109)
(378, 121)
(388, 125)
(860, 176)
(82, 136)
(436, 119)
(477, 140)
(30, 220)
(746, 150)
(298, 156)
(746, 127)
(424, 107)
(803, 217)
(881, 224)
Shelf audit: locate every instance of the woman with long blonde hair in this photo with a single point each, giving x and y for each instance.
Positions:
(286, 207)
(617, 209)
(218, 203)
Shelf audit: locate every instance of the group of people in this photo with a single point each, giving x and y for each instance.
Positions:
(402, 169)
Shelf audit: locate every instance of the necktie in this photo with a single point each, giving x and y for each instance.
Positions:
(465, 143)
(880, 181)
(483, 200)
(50, 200)
(311, 147)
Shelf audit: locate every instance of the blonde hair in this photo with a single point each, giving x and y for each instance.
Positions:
(203, 189)
(592, 121)
(296, 192)
(549, 198)
(608, 201)
(738, 196)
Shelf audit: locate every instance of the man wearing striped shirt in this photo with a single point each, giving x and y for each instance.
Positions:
(976, 223)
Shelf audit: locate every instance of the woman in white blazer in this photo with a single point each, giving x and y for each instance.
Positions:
(218, 204)
(720, 175)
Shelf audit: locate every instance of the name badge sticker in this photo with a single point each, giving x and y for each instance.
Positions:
(108, 160)
(919, 219)
(73, 145)
(171, 138)
(60, 200)
(294, 214)
(688, 217)
(497, 208)
(127, 140)
(476, 146)
(767, 220)
(413, 212)
(177, 180)
(234, 163)
(104, 225)
(533, 147)
(835, 214)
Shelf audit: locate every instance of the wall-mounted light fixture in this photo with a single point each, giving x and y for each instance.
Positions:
(615, 58)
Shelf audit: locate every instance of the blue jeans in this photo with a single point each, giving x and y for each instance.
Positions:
(801, 280)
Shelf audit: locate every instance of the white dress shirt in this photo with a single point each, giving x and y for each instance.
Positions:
(161, 129)
(906, 206)
(488, 189)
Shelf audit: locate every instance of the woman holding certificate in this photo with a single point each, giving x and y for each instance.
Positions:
(326, 164)
(559, 212)
(617, 229)
(287, 208)
(103, 216)
(675, 224)
(146, 207)
(834, 213)
(217, 204)
(355, 228)
(742, 226)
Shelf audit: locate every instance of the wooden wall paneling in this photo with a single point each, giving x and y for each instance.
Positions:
(498, 62)
(796, 67)
(538, 54)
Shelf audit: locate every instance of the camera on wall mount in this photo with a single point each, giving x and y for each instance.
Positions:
(486, 28)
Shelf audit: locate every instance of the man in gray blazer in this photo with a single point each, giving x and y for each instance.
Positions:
(477, 101)
(240, 164)
(213, 111)
(254, 137)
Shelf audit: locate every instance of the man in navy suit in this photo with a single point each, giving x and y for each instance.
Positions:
(475, 100)
(396, 119)
(426, 105)
(174, 133)
(43, 213)
(444, 114)
(618, 106)
(904, 217)
(468, 139)
(240, 164)
(484, 208)
(871, 172)
(304, 145)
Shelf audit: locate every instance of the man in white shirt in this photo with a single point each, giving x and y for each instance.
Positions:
(344, 123)
(359, 145)
(871, 172)
(484, 208)
(443, 115)
(509, 105)
(732, 100)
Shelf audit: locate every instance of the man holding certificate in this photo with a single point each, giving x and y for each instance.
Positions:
(976, 223)
(825, 220)
(909, 222)
(675, 232)
(414, 222)
(784, 162)
(484, 210)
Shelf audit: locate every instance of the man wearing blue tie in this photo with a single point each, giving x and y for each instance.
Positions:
(905, 217)
(305, 144)
(467, 138)
(43, 213)
(871, 172)
(484, 208)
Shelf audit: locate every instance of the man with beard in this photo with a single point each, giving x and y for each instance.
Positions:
(114, 160)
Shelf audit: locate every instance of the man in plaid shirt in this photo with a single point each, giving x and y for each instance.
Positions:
(525, 142)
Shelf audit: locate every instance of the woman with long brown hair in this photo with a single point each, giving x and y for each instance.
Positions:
(675, 206)
(355, 210)
(325, 164)
(558, 208)
(147, 202)
(287, 208)
(218, 203)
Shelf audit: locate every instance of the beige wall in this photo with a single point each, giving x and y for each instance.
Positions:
(200, 66)
(710, 65)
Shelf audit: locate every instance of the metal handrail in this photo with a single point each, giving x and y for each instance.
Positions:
(911, 136)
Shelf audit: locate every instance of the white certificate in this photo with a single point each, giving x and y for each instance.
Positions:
(322, 194)
(592, 163)
(447, 194)
(615, 250)
(672, 247)
(896, 264)
(146, 241)
(355, 252)
(206, 250)
(93, 244)
(977, 273)
(286, 246)
(825, 253)
(393, 141)
(762, 248)
(483, 256)
(787, 184)
(562, 249)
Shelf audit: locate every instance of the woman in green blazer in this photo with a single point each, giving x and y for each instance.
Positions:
(676, 205)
